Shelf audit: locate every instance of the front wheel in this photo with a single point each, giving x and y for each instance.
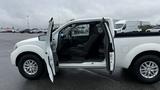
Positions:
(147, 68)
(31, 66)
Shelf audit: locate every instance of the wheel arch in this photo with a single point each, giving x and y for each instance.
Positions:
(28, 52)
(26, 49)
(151, 48)
(149, 52)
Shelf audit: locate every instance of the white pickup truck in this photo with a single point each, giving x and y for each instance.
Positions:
(89, 43)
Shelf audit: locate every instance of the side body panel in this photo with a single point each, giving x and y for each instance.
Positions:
(128, 47)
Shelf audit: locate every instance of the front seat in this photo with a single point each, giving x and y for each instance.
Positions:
(90, 48)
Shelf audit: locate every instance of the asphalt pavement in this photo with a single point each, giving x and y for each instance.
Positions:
(67, 79)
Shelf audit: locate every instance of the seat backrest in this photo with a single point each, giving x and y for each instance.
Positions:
(94, 41)
(93, 35)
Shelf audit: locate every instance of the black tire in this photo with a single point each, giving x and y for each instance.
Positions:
(38, 60)
(136, 68)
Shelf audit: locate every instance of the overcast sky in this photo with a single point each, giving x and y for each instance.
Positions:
(15, 12)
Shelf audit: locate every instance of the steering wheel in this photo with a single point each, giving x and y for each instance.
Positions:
(67, 38)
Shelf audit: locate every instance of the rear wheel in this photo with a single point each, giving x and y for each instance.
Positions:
(31, 66)
(147, 68)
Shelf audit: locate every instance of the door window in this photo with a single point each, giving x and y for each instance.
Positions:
(81, 30)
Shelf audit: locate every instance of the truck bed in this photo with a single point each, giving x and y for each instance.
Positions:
(128, 45)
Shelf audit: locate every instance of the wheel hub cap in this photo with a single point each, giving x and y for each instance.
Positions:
(30, 67)
(149, 69)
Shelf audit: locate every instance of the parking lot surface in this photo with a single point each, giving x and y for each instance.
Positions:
(67, 79)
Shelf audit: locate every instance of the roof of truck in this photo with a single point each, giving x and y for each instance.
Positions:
(120, 22)
(88, 19)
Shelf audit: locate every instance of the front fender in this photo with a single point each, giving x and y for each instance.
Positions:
(30, 48)
(139, 49)
(27, 48)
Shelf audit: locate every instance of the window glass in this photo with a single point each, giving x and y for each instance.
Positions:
(81, 30)
(118, 26)
(66, 30)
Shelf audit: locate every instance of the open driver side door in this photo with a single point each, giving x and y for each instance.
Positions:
(50, 51)
(109, 46)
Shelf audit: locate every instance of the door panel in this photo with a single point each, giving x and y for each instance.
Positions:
(49, 51)
(51, 68)
(109, 47)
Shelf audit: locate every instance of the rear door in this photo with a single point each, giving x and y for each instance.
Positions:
(49, 51)
(109, 46)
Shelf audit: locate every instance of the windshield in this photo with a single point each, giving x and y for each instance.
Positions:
(118, 26)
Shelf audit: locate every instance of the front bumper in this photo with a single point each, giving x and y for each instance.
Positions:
(13, 57)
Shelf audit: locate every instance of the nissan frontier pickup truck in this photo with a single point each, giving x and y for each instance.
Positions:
(89, 43)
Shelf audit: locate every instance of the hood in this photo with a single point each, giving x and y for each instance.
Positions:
(27, 41)
(32, 41)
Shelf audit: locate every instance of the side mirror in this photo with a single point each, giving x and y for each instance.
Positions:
(42, 37)
(124, 27)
